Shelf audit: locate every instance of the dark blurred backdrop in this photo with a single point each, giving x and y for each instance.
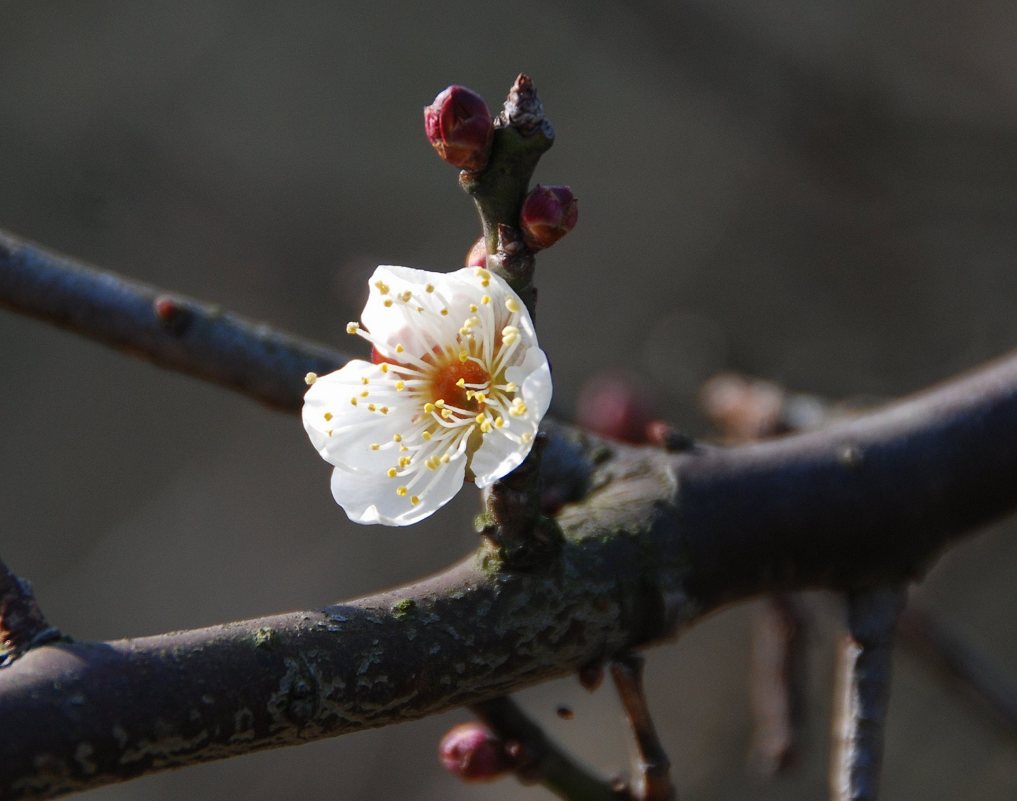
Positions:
(822, 192)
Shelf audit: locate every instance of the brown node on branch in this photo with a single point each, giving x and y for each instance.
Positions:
(22, 624)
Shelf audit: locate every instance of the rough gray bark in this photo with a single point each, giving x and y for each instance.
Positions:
(655, 542)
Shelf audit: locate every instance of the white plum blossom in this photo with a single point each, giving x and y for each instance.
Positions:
(455, 391)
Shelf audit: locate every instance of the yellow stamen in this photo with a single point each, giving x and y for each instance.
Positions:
(414, 499)
(382, 287)
(512, 305)
(352, 328)
(401, 491)
(310, 378)
(328, 415)
(391, 472)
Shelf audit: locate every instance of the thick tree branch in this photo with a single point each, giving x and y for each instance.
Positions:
(653, 542)
(170, 330)
(658, 541)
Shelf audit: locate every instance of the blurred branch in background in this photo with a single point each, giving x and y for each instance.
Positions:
(745, 410)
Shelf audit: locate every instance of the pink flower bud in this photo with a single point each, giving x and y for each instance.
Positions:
(473, 753)
(477, 255)
(549, 212)
(460, 127)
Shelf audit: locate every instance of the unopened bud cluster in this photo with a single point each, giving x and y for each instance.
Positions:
(460, 128)
(549, 212)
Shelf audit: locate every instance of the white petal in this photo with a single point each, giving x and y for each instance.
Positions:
(399, 322)
(353, 428)
(369, 499)
(500, 454)
(533, 377)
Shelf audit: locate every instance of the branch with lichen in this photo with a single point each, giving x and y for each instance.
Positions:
(643, 542)
(656, 542)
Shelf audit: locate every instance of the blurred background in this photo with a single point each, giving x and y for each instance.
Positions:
(819, 192)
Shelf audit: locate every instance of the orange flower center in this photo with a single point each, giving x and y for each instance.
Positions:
(452, 382)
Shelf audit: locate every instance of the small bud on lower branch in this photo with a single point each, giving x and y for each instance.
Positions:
(460, 128)
(471, 752)
(549, 212)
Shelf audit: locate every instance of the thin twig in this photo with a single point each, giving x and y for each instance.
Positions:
(653, 768)
(746, 410)
(173, 331)
(864, 692)
(538, 758)
(741, 406)
(962, 666)
(777, 682)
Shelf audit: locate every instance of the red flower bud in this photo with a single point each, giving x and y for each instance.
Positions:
(477, 254)
(549, 212)
(473, 753)
(460, 127)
